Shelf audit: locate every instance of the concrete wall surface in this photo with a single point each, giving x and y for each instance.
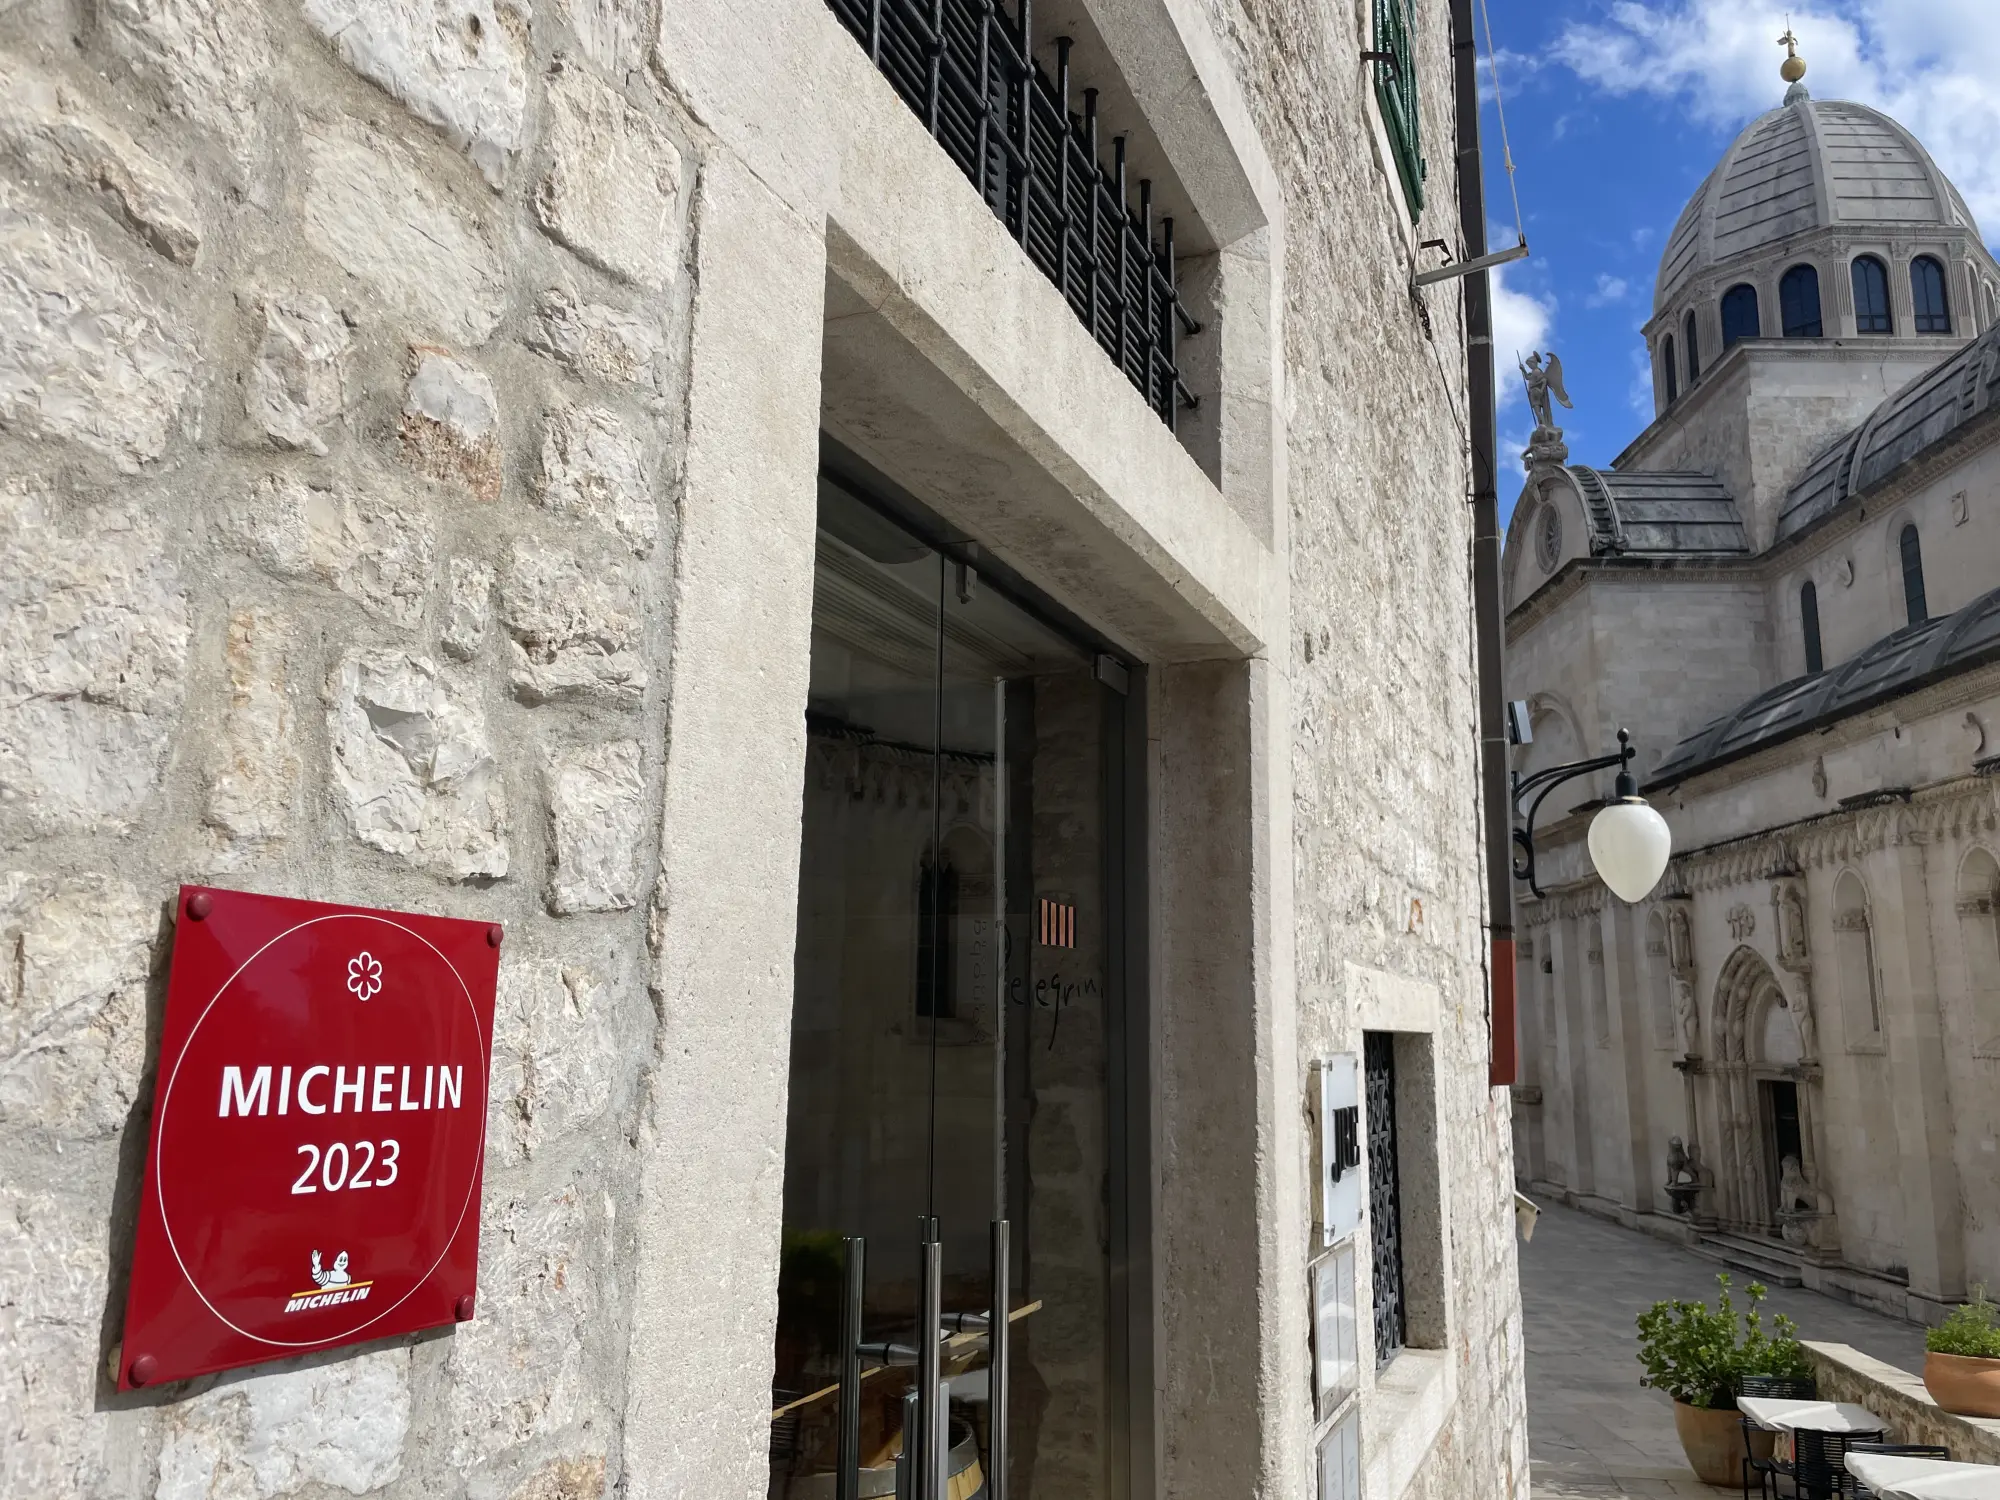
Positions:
(410, 424)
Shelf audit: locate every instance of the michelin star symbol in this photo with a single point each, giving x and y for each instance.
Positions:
(364, 975)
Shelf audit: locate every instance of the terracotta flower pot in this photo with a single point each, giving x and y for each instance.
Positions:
(1713, 1442)
(1963, 1386)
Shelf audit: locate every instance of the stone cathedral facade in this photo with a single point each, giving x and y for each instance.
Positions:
(863, 550)
(1788, 588)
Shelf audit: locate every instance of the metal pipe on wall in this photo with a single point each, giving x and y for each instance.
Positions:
(854, 1269)
(999, 1351)
(1486, 544)
(929, 1447)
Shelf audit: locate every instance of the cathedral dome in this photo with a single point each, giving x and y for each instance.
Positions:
(1809, 164)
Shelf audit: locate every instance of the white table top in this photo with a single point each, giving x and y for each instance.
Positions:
(1780, 1415)
(1894, 1476)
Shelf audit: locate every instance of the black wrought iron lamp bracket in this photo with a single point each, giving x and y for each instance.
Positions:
(1546, 781)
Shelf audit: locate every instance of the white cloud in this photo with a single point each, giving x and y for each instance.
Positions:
(1521, 322)
(1610, 289)
(1639, 394)
(1934, 66)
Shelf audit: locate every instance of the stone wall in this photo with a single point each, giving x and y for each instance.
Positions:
(1386, 862)
(341, 361)
(1844, 1373)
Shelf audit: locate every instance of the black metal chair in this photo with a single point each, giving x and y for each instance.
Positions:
(1819, 1462)
(1901, 1450)
(1785, 1388)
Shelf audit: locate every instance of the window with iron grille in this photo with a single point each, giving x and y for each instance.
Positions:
(1395, 61)
(967, 68)
(1385, 1213)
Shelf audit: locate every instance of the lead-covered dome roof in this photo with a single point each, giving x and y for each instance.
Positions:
(1809, 164)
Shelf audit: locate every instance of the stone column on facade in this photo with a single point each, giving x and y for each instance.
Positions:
(1919, 1080)
(1227, 1117)
(704, 1247)
(1530, 1099)
(1631, 1044)
(1819, 1235)
(1576, 1046)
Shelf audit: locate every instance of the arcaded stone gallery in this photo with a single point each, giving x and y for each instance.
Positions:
(909, 590)
(1785, 587)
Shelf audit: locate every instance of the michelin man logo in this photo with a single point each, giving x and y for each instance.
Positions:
(331, 1284)
(336, 1277)
(364, 975)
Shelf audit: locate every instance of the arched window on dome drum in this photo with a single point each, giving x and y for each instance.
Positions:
(1928, 295)
(1798, 303)
(1913, 577)
(1871, 296)
(1739, 314)
(1673, 373)
(1693, 349)
(1809, 625)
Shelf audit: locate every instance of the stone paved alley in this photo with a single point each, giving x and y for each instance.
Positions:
(1592, 1429)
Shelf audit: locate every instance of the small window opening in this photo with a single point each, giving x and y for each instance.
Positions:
(1933, 309)
(1689, 338)
(1871, 297)
(1740, 318)
(1913, 577)
(1809, 624)
(1673, 373)
(1798, 303)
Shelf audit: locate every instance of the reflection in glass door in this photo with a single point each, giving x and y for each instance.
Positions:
(952, 1033)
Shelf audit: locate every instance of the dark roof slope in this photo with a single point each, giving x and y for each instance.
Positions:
(1912, 658)
(1926, 412)
(1659, 514)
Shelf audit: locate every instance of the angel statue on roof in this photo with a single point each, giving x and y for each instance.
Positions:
(1544, 380)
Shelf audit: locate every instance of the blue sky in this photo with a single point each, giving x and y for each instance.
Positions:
(1616, 110)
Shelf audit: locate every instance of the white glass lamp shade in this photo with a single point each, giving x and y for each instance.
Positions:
(1629, 844)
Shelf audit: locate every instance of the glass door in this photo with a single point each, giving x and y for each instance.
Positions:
(952, 1053)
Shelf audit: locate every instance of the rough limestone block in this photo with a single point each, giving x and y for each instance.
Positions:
(209, 59)
(372, 550)
(85, 353)
(297, 385)
(461, 65)
(516, 1370)
(574, 628)
(414, 767)
(368, 207)
(597, 797)
(451, 423)
(341, 1425)
(53, 133)
(53, 1265)
(72, 1002)
(93, 646)
(611, 33)
(467, 608)
(592, 467)
(254, 788)
(612, 191)
(554, 1056)
(593, 339)
(564, 1479)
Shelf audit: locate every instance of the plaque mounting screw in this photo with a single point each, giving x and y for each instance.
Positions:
(200, 904)
(493, 936)
(465, 1303)
(145, 1367)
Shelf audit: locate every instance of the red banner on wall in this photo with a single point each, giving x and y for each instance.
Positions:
(318, 1130)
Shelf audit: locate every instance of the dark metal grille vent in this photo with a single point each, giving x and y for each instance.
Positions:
(967, 70)
(1385, 1213)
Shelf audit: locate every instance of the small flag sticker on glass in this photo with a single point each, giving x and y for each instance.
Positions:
(1058, 924)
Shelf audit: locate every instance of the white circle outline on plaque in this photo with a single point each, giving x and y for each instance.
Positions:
(167, 1099)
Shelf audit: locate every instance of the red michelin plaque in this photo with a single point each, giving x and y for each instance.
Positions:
(319, 1124)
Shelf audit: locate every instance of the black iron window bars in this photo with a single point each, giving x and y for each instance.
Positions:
(967, 68)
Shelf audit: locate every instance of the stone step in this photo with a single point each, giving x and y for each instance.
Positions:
(1768, 1263)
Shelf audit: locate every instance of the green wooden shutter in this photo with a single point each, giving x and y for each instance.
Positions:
(1396, 93)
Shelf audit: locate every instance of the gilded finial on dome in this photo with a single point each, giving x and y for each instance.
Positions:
(1793, 68)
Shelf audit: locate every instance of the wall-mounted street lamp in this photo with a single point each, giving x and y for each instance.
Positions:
(1629, 842)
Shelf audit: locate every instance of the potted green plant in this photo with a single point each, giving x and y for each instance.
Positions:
(1699, 1356)
(1962, 1359)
